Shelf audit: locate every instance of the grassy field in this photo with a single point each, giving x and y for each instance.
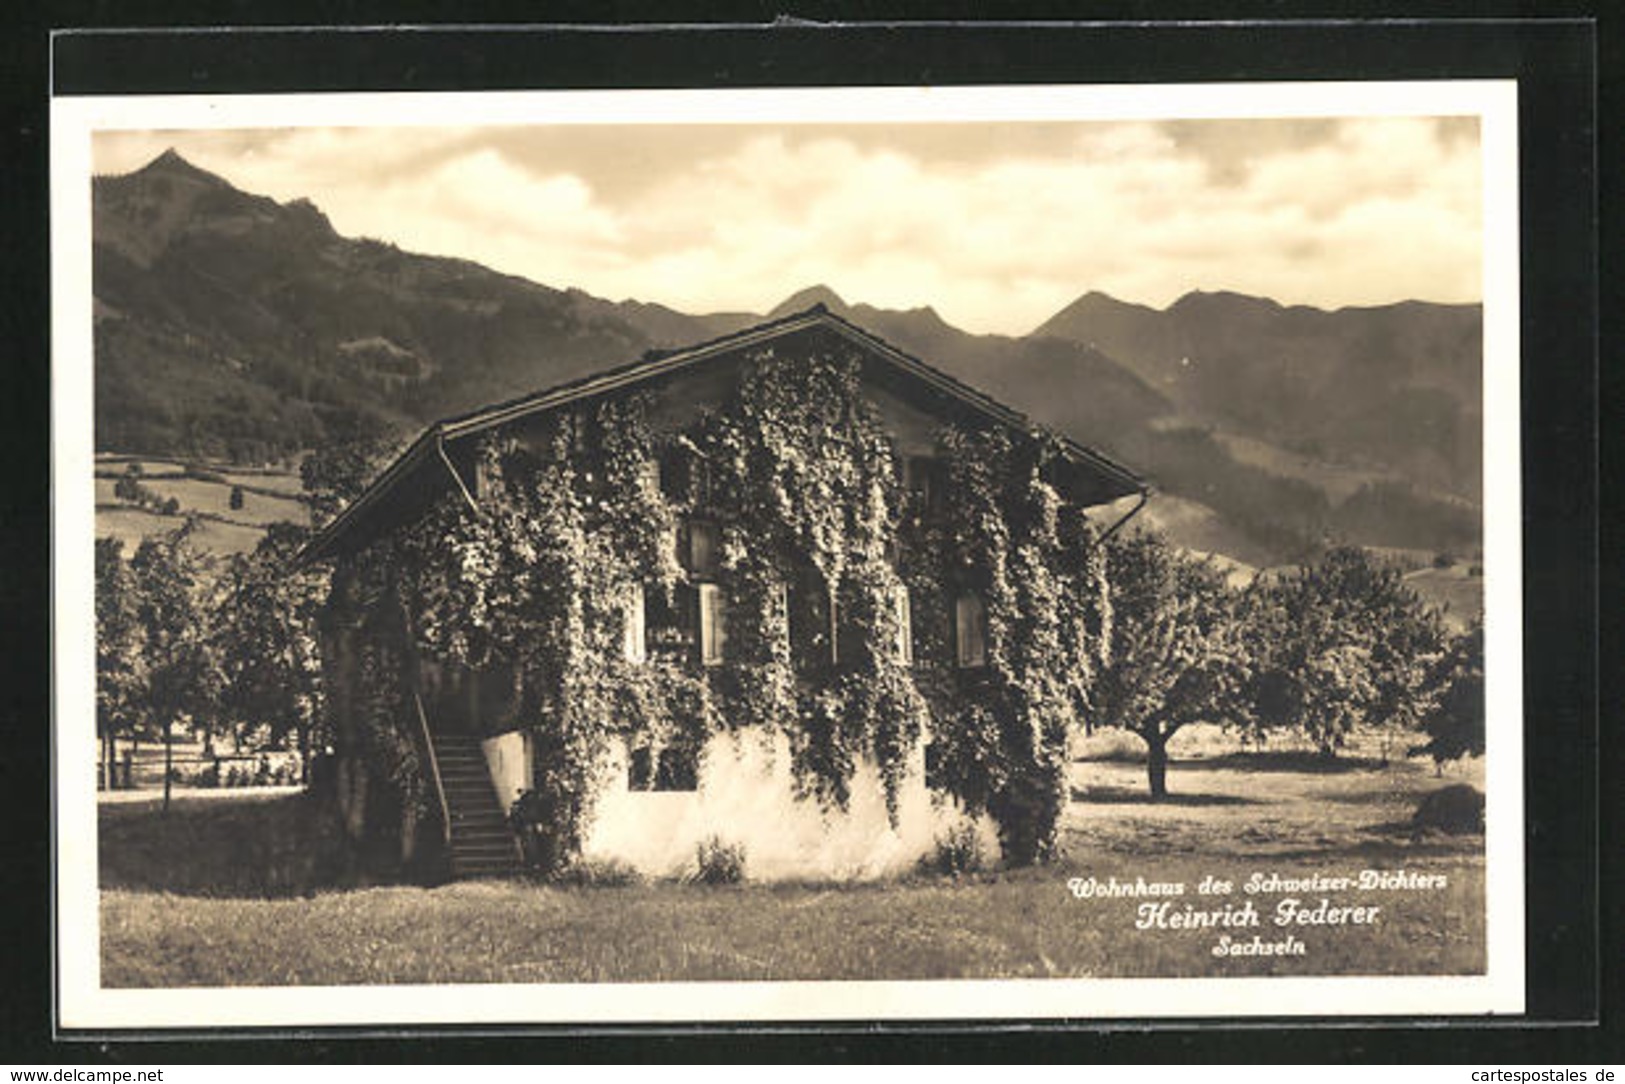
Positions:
(228, 892)
(1455, 589)
(198, 495)
(286, 484)
(269, 496)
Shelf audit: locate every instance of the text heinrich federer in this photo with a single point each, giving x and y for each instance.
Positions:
(1315, 902)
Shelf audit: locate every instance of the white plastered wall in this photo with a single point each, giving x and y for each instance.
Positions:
(746, 797)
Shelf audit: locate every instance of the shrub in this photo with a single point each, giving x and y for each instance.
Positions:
(209, 775)
(1454, 809)
(719, 863)
(533, 817)
(956, 852)
(602, 873)
(129, 488)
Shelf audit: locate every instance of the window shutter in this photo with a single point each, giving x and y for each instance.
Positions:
(905, 625)
(970, 628)
(633, 625)
(713, 624)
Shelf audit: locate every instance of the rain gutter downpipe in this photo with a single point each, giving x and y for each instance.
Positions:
(440, 446)
(1145, 495)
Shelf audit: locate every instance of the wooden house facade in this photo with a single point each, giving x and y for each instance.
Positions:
(792, 593)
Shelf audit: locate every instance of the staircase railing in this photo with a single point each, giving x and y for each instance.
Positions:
(434, 769)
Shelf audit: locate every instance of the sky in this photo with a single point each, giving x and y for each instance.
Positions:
(996, 226)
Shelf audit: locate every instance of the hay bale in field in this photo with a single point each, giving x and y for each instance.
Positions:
(1455, 809)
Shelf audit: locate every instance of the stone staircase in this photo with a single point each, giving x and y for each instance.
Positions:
(482, 844)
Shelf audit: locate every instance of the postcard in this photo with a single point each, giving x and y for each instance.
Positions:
(972, 553)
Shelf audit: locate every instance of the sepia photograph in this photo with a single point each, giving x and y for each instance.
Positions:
(788, 555)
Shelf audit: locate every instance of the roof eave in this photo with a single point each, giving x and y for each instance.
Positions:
(325, 544)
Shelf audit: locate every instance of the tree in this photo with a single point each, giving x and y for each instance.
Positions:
(183, 679)
(1339, 643)
(338, 473)
(120, 672)
(266, 640)
(128, 487)
(1454, 722)
(1177, 656)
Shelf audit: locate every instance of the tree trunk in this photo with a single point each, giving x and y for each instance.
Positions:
(409, 831)
(1156, 763)
(168, 759)
(352, 792)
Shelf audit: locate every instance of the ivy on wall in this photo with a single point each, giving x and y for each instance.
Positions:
(1008, 539)
(585, 511)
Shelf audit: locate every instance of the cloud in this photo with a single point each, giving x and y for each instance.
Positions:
(996, 226)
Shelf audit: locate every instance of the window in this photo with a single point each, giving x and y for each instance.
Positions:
(673, 768)
(923, 476)
(847, 632)
(844, 632)
(674, 473)
(812, 647)
(634, 644)
(670, 624)
(651, 475)
(713, 624)
(905, 625)
(685, 476)
(970, 630)
(702, 546)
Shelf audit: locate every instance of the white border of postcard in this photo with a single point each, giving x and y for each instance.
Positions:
(83, 1003)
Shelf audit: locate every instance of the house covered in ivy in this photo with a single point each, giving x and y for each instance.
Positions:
(791, 595)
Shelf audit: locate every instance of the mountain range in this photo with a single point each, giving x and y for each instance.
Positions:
(231, 326)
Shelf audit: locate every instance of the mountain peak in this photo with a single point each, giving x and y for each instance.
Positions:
(1088, 309)
(171, 164)
(802, 300)
(1207, 299)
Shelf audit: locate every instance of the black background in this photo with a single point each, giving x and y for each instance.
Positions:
(1572, 949)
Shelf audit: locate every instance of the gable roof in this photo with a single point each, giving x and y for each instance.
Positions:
(350, 529)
